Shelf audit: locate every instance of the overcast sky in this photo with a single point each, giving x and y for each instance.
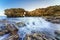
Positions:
(26, 4)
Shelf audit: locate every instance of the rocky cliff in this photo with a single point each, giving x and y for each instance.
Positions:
(51, 13)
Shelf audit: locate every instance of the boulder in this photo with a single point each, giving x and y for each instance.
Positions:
(20, 24)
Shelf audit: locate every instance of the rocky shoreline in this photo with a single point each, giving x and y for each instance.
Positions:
(12, 30)
(52, 19)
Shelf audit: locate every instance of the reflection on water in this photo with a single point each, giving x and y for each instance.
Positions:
(33, 24)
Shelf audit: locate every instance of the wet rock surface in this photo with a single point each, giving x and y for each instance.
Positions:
(38, 36)
(53, 19)
(57, 33)
(12, 30)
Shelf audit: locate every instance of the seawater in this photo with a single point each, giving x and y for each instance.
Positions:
(32, 24)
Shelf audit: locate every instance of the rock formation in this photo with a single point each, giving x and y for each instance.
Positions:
(37, 36)
(12, 30)
(51, 13)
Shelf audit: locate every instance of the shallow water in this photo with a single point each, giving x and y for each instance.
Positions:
(33, 24)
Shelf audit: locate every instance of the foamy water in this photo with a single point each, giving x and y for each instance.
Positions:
(34, 24)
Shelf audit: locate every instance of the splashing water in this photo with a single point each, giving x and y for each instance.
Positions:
(34, 24)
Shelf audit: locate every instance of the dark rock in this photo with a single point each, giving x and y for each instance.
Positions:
(57, 33)
(53, 19)
(20, 24)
